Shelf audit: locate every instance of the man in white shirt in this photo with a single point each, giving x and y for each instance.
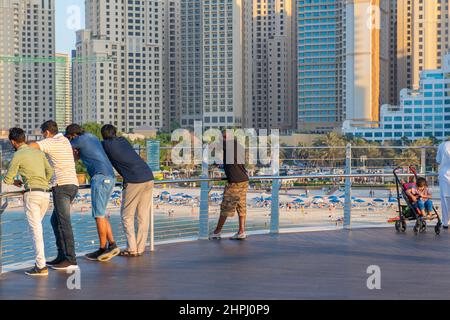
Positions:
(64, 191)
(443, 159)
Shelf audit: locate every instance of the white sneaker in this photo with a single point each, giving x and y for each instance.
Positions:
(215, 236)
(239, 236)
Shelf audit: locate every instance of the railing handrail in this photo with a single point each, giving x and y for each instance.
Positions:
(255, 178)
(203, 216)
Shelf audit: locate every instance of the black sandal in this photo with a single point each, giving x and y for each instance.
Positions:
(128, 254)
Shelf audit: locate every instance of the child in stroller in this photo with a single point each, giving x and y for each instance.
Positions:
(420, 196)
(417, 198)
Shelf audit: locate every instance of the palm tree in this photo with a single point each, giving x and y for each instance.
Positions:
(390, 155)
(335, 150)
(430, 152)
(371, 151)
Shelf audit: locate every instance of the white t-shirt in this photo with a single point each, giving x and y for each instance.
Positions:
(61, 157)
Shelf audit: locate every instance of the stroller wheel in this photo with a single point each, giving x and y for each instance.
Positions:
(423, 227)
(437, 229)
(416, 229)
(397, 226)
(403, 226)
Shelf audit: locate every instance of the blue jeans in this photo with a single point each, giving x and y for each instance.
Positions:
(102, 188)
(425, 205)
(63, 196)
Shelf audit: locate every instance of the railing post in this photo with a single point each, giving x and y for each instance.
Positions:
(204, 200)
(423, 161)
(275, 208)
(348, 188)
(152, 225)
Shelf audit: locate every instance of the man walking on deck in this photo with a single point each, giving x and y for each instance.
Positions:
(64, 191)
(235, 194)
(36, 173)
(137, 192)
(89, 149)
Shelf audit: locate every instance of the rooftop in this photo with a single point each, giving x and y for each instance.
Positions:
(308, 265)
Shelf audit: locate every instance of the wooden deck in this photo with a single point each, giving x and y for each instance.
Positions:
(314, 265)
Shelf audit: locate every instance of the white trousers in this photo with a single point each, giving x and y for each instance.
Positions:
(36, 205)
(445, 206)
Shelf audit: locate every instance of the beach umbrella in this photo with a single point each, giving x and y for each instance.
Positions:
(392, 200)
(268, 199)
(318, 197)
(378, 200)
(343, 197)
(115, 196)
(335, 201)
(318, 200)
(298, 200)
(186, 196)
(360, 200)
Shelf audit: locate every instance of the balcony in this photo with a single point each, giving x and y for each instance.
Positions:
(315, 251)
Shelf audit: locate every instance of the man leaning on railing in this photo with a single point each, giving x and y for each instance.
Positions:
(64, 190)
(36, 173)
(137, 192)
(235, 193)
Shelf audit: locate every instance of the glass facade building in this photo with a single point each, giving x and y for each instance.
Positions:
(320, 64)
(422, 113)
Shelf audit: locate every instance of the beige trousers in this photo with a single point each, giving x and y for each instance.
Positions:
(137, 204)
(36, 205)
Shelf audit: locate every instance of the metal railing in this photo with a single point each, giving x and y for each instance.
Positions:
(196, 219)
(181, 228)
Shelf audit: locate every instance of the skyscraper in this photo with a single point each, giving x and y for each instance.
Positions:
(367, 51)
(118, 67)
(27, 68)
(63, 90)
(191, 92)
(270, 63)
(344, 57)
(423, 38)
(321, 64)
(171, 37)
(222, 61)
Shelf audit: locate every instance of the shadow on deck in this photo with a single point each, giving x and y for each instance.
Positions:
(313, 265)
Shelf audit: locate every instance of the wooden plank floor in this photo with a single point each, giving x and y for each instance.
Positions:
(314, 265)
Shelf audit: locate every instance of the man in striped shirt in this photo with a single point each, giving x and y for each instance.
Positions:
(65, 189)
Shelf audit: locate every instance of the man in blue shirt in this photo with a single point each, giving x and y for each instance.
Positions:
(137, 192)
(88, 147)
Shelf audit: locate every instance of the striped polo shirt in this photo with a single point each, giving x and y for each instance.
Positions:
(61, 157)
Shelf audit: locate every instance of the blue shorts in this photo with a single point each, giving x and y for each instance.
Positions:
(424, 205)
(102, 189)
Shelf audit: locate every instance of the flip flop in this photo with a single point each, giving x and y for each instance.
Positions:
(128, 254)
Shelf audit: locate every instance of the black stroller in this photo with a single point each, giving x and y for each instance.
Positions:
(407, 212)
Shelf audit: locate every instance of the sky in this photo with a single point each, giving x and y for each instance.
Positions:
(69, 19)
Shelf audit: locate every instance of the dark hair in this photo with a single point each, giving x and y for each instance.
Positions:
(108, 131)
(74, 129)
(50, 126)
(421, 182)
(17, 135)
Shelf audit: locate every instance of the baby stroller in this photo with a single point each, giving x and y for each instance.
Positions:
(407, 211)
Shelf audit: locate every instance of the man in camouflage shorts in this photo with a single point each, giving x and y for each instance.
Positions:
(234, 197)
